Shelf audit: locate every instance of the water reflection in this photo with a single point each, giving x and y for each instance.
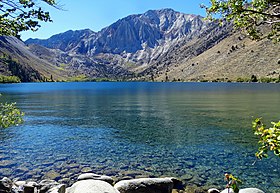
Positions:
(193, 131)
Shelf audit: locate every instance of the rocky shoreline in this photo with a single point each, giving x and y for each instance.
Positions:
(94, 183)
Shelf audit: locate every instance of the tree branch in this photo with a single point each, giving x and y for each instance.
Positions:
(262, 13)
(13, 5)
(272, 22)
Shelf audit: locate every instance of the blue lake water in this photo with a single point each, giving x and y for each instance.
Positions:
(194, 131)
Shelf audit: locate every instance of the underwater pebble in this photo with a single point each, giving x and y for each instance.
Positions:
(6, 164)
(86, 170)
(53, 175)
(186, 177)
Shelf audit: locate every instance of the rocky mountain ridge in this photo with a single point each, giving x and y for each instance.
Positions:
(133, 43)
(148, 46)
(130, 34)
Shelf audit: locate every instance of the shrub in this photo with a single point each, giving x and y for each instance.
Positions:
(269, 138)
(242, 79)
(10, 115)
(266, 80)
(9, 79)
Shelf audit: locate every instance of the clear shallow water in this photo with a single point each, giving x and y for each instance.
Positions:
(194, 131)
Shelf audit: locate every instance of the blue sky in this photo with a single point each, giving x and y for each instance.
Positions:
(97, 14)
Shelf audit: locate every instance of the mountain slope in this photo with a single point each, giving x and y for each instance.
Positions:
(17, 59)
(234, 57)
(186, 49)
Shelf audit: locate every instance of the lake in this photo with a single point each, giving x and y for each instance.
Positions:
(193, 131)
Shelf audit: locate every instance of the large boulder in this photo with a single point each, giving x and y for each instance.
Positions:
(92, 176)
(145, 185)
(6, 185)
(46, 185)
(245, 190)
(91, 186)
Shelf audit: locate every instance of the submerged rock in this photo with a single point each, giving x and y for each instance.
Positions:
(91, 186)
(86, 169)
(53, 175)
(145, 185)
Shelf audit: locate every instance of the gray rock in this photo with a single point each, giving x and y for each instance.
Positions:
(46, 185)
(34, 184)
(91, 186)
(6, 185)
(250, 190)
(145, 185)
(18, 186)
(68, 189)
(16, 189)
(227, 191)
(92, 176)
(48, 182)
(20, 183)
(58, 189)
(245, 190)
(213, 190)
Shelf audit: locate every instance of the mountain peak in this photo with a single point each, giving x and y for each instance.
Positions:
(130, 34)
(63, 41)
(161, 11)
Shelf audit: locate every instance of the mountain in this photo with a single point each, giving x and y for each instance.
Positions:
(17, 59)
(161, 45)
(128, 44)
(131, 34)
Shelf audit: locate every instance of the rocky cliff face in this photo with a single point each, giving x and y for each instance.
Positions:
(148, 30)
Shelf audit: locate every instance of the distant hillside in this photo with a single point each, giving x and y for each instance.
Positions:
(235, 57)
(16, 59)
(159, 45)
